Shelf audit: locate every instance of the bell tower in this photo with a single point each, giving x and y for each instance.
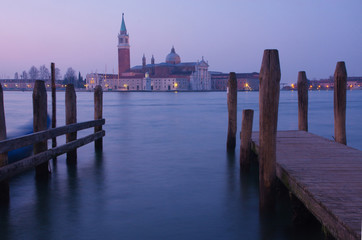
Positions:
(124, 63)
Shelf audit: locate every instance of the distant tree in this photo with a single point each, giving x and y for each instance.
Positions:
(16, 76)
(57, 74)
(81, 82)
(70, 76)
(33, 73)
(44, 73)
(24, 75)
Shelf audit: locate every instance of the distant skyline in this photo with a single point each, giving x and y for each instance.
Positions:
(311, 36)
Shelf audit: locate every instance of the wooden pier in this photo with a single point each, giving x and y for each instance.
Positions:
(38, 139)
(325, 175)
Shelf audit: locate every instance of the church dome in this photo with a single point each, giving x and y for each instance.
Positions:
(173, 57)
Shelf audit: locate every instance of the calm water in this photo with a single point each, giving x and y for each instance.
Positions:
(164, 172)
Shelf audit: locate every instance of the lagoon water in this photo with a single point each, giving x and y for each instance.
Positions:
(164, 172)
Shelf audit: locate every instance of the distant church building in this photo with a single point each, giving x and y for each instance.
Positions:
(170, 75)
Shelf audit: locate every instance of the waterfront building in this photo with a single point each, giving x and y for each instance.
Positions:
(245, 81)
(171, 75)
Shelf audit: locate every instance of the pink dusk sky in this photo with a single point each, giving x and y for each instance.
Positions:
(311, 35)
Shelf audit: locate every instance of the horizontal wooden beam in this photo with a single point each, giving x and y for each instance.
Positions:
(15, 143)
(15, 168)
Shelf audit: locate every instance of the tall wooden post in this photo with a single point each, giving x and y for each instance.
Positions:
(269, 88)
(245, 138)
(71, 117)
(98, 112)
(40, 113)
(302, 101)
(4, 186)
(232, 109)
(340, 98)
(54, 105)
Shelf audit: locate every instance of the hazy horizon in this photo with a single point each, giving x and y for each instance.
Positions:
(311, 36)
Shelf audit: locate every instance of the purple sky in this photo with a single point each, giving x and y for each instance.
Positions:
(311, 35)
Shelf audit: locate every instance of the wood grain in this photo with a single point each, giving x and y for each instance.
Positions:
(325, 176)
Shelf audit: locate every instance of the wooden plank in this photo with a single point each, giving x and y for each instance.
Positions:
(98, 114)
(40, 113)
(4, 186)
(232, 98)
(13, 169)
(269, 90)
(15, 143)
(302, 86)
(71, 118)
(325, 176)
(54, 105)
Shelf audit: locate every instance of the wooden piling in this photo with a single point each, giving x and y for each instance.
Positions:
(302, 86)
(40, 123)
(269, 88)
(340, 98)
(232, 109)
(98, 112)
(4, 185)
(245, 138)
(54, 105)
(71, 117)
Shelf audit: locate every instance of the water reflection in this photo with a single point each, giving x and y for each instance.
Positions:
(164, 174)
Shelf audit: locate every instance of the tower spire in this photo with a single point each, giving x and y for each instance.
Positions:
(123, 26)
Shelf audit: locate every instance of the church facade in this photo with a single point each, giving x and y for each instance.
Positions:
(171, 75)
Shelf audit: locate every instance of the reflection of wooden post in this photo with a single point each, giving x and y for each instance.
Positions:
(71, 117)
(269, 78)
(4, 186)
(40, 123)
(98, 110)
(245, 138)
(302, 101)
(340, 88)
(54, 105)
(232, 109)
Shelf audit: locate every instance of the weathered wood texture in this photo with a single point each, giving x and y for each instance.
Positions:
(245, 138)
(70, 118)
(15, 168)
(302, 86)
(15, 143)
(54, 103)
(4, 155)
(269, 87)
(325, 176)
(340, 96)
(4, 186)
(232, 97)
(98, 112)
(40, 123)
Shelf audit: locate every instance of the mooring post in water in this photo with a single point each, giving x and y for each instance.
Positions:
(245, 138)
(40, 114)
(232, 109)
(71, 117)
(98, 111)
(54, 105)
(269, 88)
(340, 98)
(302, 86)
(4, 185)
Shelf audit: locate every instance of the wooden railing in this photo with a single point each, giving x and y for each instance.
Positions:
(39, 139)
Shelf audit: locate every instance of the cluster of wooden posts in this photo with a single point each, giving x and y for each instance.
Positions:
(41, 153)
(269, 89)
